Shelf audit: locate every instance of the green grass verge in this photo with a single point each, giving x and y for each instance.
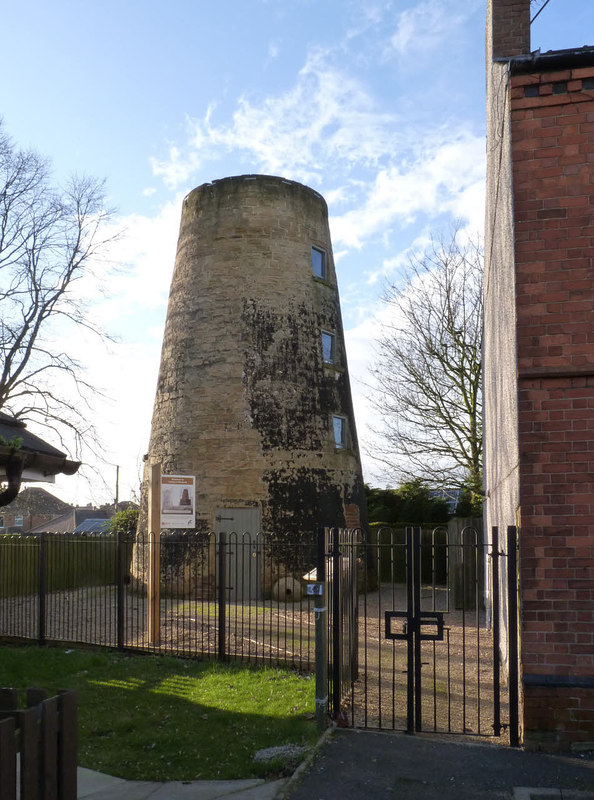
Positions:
(160, 718)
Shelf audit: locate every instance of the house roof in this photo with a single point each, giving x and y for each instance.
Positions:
(550, 61)
(36, 500)
(92, 525)
(71, 520)
(40, 460)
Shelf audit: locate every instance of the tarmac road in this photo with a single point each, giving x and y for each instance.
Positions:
(365, 765)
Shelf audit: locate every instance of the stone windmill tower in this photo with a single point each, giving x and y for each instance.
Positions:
(253, 395)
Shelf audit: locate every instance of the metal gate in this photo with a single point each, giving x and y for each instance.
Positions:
(417, 646)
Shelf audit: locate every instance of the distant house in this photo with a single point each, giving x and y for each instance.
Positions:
(92, 525)
(72, 519)
(32, 507)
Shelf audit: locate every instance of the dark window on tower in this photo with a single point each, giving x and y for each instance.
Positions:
(328, 347)
(318, 263)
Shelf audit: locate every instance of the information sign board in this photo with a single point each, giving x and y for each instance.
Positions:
(178, 501)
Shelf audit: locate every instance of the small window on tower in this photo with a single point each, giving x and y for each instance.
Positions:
(328, 347)
(318, 263)
(339, 427)
(18, 522)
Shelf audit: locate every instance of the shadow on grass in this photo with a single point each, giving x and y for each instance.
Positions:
(161, 718)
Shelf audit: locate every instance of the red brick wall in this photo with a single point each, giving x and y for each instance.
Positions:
(557, 716)
(511, 27)
(29, 520)
(553, 180)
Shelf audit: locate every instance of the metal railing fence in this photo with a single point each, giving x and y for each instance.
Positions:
(223, 596)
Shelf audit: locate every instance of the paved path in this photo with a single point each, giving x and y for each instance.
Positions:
(365, 765)
(96, 786)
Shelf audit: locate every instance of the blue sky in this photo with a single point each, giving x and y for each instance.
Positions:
(377, 104)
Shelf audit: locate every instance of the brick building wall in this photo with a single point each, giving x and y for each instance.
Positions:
(21, 523)
(552, 128)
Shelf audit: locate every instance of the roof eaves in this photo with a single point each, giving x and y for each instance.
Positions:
(549, 61)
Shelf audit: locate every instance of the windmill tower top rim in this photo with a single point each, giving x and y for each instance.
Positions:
(220, 183)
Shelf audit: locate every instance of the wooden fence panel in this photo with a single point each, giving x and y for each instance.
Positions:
(49, 748)
(47, 742)
(29, 749)
(67, 746)
(7, 760)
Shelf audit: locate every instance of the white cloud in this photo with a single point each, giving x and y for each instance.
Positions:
(326, 120)
(145, 253)
(176, 169)
(427, 25)
(439, 179)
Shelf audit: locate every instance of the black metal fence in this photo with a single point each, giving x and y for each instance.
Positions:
(428, 631)
(413, 615)
(222, 596)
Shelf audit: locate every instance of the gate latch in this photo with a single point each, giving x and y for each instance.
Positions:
(434, 618)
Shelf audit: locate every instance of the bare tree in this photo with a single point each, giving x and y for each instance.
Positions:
(49, 237)
(428, 371)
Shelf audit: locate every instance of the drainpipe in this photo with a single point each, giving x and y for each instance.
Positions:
(14, 471)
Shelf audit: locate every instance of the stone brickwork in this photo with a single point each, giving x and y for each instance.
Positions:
(245, 399)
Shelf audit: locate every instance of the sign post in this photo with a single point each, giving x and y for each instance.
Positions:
(154, 572)
(172, 504)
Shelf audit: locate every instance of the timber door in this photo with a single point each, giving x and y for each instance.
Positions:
(241, 558)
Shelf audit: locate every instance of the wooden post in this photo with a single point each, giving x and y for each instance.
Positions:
(154, 527)
(8, 758)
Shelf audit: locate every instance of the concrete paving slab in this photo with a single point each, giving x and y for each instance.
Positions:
(90, 781)
(534, 793)
(269, 790)
(126, 790)
(98, 786)
(212, 790)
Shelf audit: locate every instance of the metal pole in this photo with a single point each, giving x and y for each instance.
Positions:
(42, 586)
(222, 655)
(495, 626)
(417, 626)
(120, 544)
(512, 605)
(321, 623)
(410, 646)
(336, 624)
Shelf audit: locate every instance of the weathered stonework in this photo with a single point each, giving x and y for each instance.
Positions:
(245, 399)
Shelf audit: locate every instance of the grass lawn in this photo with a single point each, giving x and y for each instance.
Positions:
(161, 718)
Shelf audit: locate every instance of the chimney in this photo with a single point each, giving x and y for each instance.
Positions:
(508, 28)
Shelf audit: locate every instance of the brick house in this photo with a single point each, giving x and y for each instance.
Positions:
(539, 361)
(32, 507)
